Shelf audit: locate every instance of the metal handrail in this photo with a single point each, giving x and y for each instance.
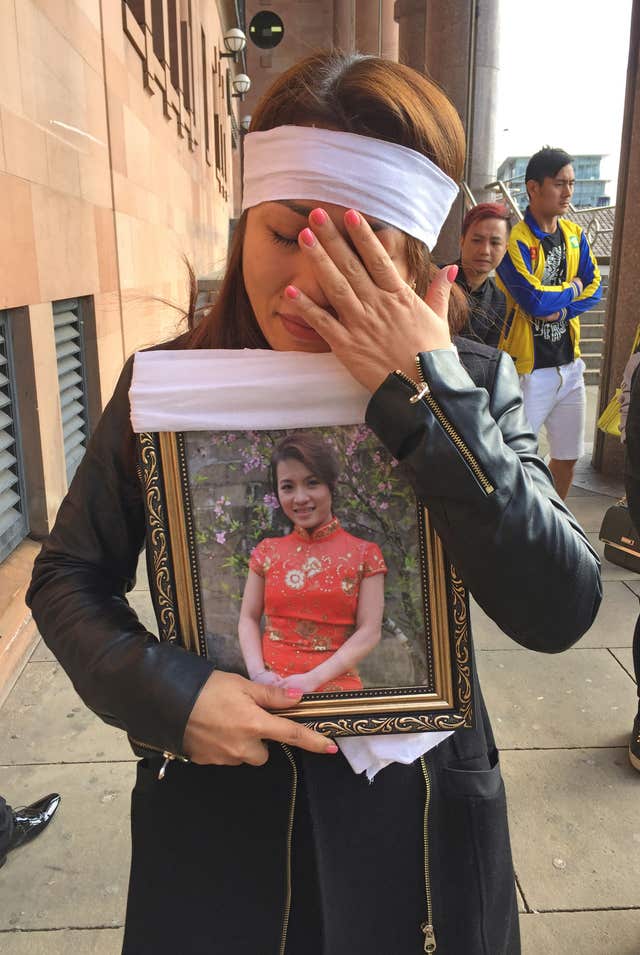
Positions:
(500, 186)
(469, 198)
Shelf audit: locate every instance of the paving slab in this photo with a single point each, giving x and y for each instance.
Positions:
(589, 508)
(585, 477)
(487, 635)
(609, 571)
(613, 626)
(142, 578)
(576, 490)
(616, 618)
(42, 654)
(45, 721)
(539, 700)
(595, 483)
(140, 601)
(106, 941)
(624, 656)
(75, 874)
(586, 933)
(575, 828)
(633, 583)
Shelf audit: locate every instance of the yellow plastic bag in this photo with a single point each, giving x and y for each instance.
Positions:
(609, 420)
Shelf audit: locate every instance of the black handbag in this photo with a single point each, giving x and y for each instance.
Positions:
(621, 539)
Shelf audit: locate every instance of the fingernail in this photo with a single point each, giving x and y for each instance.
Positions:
(308, 237)
(452, 271)
(292, 292)
(352, 218)
(331, 748)
(318, 217)
(293, 693)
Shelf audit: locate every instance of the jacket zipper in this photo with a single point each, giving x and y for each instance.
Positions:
(427, 925)
(168, 757)
(292, 806)
(469, 457)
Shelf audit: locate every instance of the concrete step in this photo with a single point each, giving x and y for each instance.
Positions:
(592, 374)
(593, 360)
(591, 346)
(591, 331)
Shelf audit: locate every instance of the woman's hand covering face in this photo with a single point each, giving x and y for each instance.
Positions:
(381, 323)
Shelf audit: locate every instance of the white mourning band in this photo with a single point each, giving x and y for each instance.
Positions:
(389, 182)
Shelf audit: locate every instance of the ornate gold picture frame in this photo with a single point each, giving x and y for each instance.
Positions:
(214, 517)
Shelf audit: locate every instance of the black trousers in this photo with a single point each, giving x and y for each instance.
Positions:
(6, 826)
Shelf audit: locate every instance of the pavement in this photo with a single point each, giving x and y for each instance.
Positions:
(562, 724)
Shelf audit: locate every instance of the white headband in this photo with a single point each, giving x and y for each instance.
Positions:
(389, 182)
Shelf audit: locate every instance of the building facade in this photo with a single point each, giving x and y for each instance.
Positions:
(116, 157)
(281, 32)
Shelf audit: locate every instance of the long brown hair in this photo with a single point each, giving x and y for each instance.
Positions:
(358, 94)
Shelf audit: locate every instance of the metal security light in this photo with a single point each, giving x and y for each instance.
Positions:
(241, 85)
(266, 30)
(234, 42)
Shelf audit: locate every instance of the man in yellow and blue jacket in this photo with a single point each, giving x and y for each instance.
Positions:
(550, 276)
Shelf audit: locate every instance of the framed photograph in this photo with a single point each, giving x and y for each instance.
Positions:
(287, 545)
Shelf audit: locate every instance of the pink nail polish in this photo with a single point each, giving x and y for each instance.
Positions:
(331, 748)
(293, 693)
(308, 237)
(452, 271)
(292, 292)
(319, 217)
(352, 218)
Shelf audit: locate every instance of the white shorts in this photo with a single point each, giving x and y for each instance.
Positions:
(555, 398)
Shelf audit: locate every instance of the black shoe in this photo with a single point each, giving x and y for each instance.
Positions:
(29, 821)
(634, 744)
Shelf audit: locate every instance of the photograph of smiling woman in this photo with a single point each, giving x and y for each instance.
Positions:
(320, 589)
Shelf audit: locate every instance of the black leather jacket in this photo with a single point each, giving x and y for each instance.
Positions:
(521, 553)
(473, 461)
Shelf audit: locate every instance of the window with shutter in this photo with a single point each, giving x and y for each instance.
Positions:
(13, 522)
(71, 380)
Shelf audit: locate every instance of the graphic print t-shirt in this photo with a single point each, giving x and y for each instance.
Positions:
(551, 340)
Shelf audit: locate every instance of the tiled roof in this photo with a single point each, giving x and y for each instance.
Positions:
(598, 224)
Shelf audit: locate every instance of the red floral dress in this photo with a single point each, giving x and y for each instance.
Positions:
(312, 582)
